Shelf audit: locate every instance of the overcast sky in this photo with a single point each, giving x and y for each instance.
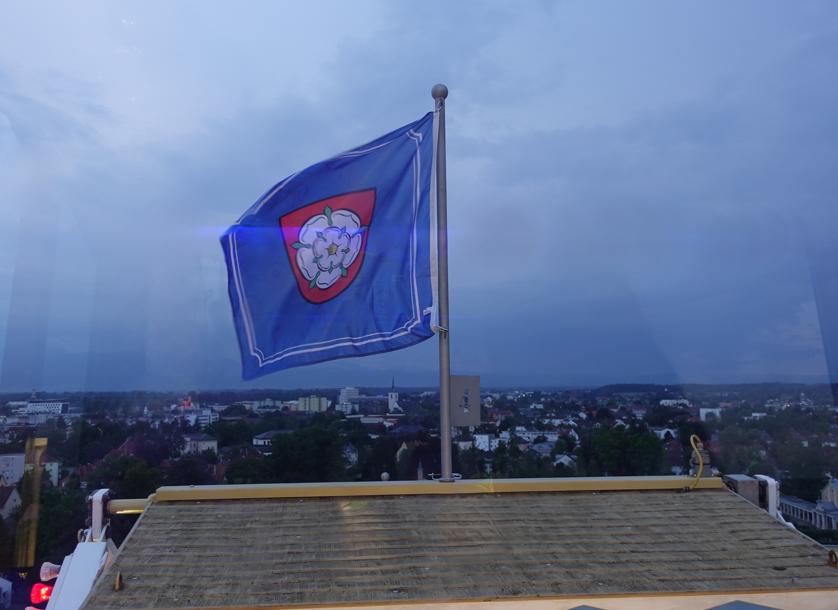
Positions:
(638, 191)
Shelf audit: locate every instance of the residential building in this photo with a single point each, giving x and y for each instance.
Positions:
(349, 395)
(376, 420)
(565, 460)
(498, 415)
(675, 402)
(675, 455)
(266, 438)
(54, 407)
(704, 411)
(830, 492)
(269, 404)
(463, 442)
(11, 467)
(529, 434)
(663, 432)
(756, 416)
(402, 450)
(349, 401)
(347, 407)
(198, 443)
(570, 432)
(313, 403)
(9, 500)
(795, 434)
(793, 508)
(201, 417)
(542, 449)
(822, 514)
(52, 468)
(486, 442)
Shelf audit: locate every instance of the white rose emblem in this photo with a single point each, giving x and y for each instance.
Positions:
(328, 244)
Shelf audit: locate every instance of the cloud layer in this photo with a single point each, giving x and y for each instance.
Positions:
(635, 195)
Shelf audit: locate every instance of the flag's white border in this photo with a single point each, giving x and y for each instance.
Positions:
(371, 338)
(434, 232)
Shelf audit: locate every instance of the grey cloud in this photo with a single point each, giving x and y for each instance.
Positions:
(671, 246)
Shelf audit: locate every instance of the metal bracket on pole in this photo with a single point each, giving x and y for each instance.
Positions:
(440, 93)
(97, 518)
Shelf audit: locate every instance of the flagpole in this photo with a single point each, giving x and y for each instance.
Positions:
(440, 93)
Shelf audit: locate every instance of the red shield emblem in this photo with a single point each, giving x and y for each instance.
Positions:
(326, 242)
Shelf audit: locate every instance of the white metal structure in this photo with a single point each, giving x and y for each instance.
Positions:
(93, 553)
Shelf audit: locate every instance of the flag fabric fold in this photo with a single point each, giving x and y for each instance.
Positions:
(338, 260)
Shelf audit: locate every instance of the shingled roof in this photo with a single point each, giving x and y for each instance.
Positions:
(371, 548)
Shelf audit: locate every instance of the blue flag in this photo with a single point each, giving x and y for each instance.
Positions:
(339, 260)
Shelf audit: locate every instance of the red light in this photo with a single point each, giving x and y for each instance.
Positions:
(40, 593)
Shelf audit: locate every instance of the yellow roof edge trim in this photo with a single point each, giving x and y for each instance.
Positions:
(752, 596)
(414, 488)
(129, 507)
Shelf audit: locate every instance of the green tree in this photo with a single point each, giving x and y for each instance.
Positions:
(529, 466)
(381, 457)
(406, 465)
(645, 454)
(127, 475)
(500, 462)
(7, 547)
(803, 469)
(230, 435)
(507, 423)
(188, 470)
(604, 413)
(88, 443)
(560, 470)
(248, 470)
(659, 415)
(62, 514)
(308, 455)
(559, 447)
(687, 429)
(611, 452)
(234, 410)
(470, 464)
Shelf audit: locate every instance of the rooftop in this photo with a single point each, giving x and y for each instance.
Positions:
(198, 436)
(5, 493)
(271, 434)
(582, 541)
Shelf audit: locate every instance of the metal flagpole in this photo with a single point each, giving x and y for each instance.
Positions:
(439, 93)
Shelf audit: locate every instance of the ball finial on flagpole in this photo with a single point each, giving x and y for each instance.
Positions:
(439, 91)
